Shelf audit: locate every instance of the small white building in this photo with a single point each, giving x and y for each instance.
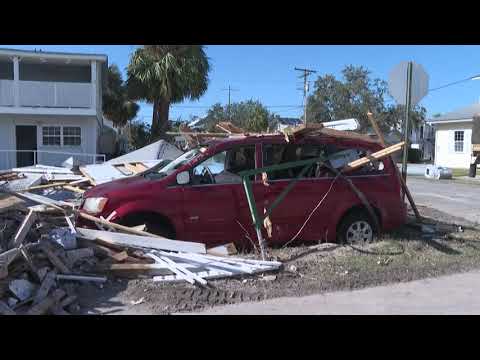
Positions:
(50, 107)
(453, 137)
(422, 138)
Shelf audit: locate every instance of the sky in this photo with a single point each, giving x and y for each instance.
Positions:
(266, 72)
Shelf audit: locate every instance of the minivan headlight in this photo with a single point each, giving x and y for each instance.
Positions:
(94, 205)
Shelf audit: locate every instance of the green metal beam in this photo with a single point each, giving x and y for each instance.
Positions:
(283, 166)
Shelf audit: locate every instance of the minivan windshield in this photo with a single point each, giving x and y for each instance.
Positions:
(163, 171)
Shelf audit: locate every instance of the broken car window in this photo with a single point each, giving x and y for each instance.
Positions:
(276, 154)
(161, 170)
(223, 168)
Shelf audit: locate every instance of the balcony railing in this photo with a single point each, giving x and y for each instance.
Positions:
(6, 93)
(47, 94)
(55, 94)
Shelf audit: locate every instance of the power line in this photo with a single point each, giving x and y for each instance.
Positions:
(475, 77)
(306, 73)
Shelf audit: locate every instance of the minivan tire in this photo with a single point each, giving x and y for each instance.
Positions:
(159, 229)
(356, 228)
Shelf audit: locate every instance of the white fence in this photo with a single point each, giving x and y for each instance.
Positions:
(51, 158)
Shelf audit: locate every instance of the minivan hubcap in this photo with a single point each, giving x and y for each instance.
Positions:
(359, 231)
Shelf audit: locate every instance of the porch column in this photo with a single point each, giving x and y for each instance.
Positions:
(16, 79)
(93, 68)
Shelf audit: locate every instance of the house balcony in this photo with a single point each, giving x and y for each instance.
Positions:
(47, 84)
(46, 94)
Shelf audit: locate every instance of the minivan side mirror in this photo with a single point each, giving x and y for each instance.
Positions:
(183, 178)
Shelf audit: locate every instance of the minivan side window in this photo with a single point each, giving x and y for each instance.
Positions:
(275, 154)
(223, 167)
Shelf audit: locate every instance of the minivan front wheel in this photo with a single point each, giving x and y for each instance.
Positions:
(356, 228)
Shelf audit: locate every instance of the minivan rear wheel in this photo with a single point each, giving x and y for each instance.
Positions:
(356, 228)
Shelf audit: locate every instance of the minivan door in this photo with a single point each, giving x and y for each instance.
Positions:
(212, 203)
(290, 216)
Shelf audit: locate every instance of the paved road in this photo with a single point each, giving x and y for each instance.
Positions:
(450, 196)
(450, 295)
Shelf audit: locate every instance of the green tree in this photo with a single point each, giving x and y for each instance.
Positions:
(116, 105)
(353, 97)
(140, 134)
(250, 115)
(166, 74)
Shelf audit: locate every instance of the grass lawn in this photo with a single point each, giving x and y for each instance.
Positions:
(459, 172)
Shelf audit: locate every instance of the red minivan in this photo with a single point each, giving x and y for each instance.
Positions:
(200, 197)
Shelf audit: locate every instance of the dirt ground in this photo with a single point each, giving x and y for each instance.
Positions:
(404, 255)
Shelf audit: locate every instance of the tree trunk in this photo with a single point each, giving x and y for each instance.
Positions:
(161, 110)
(155, 119)
(164, 116)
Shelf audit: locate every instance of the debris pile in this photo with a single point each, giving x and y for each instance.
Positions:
(44, 257)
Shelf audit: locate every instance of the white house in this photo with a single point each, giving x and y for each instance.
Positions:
(423, 138)
(50, 107)
(453, 137)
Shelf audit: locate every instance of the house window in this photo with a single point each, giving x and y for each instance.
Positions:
(51, 135)
(459, 136)
(72, 136)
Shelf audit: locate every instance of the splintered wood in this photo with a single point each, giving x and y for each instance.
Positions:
(374, 157)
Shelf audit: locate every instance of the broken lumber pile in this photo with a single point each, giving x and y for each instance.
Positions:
(45, 258)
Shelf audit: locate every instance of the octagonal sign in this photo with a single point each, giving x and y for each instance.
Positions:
(397, 83)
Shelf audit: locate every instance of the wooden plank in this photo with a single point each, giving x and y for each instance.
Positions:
(121, 256)
(24, 228)
(47, 186)
(127, 240)
(77, 182)
(105, 222)
(223, 250)
(139, 227)
(45, 305)
(45, 287)
(73, 188)
(229, 128)
(131, 168)
(5, 309)
(42, 200)
(400, 177)
(54, 259)
(376, 129)
(84, 172)
(141, 167)
(375, 156)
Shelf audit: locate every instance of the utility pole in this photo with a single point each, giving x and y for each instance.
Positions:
(306, 73)
(408, 98)
(229, 99)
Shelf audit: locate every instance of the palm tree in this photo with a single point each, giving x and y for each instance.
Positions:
(117, 107)
(166, 74)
